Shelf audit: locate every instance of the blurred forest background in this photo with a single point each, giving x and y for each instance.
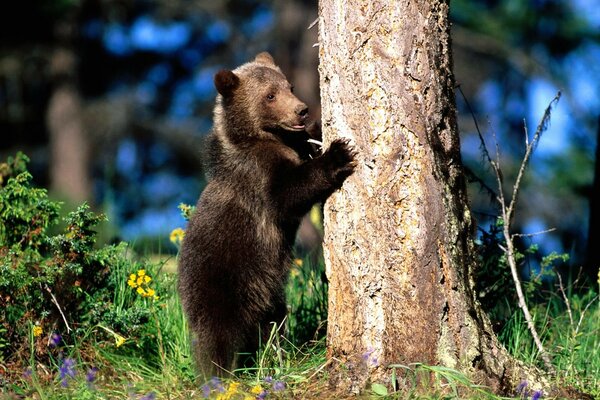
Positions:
(111, 99)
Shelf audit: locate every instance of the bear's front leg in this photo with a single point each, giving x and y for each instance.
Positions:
(296, 188)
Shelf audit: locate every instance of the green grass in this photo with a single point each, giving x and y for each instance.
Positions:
(159, 365)
(573, 341)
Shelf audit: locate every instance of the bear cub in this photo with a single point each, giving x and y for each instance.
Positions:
(262, 179)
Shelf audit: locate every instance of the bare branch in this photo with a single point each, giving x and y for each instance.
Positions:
(542, 126)
(514, 235)
(565, 298)
(507, 214)
(483, 145)
(58, 306)
(583, 313)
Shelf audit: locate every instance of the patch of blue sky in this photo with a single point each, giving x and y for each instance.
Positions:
(547, 241)
(182, 105)
(153, 222)
(583, 67)
(159, 155)
(190, 57)
(159, 73)
(160, 187)
(489, 97)
(556, 138)
(261, 21)
(148, 35)
(127, 159)
(218, 32)
(588, 10)
(203, 83)
(116, 39)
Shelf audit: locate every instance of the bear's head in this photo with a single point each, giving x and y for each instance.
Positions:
(256, 98)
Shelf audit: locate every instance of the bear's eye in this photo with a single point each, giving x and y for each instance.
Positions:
(270, 96)
(292, 89)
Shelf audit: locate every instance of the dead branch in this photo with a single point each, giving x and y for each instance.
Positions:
(507, 216)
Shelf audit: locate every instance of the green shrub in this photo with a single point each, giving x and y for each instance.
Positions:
(63, 283)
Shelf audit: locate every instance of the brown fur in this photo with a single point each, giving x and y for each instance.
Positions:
(236, 253)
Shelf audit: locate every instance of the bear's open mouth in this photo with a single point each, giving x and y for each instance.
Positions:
(293, 127)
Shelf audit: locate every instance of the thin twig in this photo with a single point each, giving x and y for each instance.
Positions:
(507, 214)
(542, 126)
(565, 298)
(583, 314)
(320, 369)
(534, 233)
(510, 255)
(483, 146)
(58, 306)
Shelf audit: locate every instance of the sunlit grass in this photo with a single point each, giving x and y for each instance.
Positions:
(291, 366)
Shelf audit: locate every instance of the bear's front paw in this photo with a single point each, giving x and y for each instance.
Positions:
(342, 158)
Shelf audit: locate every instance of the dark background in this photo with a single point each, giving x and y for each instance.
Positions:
(111, 99)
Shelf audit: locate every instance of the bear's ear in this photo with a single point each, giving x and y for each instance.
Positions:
(226, 82)
(264, 58)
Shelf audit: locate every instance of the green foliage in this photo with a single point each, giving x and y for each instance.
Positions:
(127, 324)
(306, 295)
(494, 282)
(65, 284)
(186, 211)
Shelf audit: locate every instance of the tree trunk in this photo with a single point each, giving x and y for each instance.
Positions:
(398, 244)
(69, 174)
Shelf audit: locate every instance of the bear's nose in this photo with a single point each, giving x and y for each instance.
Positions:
(302, 110)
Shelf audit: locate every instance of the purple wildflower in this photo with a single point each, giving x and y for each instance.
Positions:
(216, 384)
(149, 396)
(205, 390)
(521, 386)
(27, 373)
(55, 339)
(279, 386)
(67, 369)
(262, 395)
(268, 379)
(369, 358)
(90, 377)
(536, 395)
(91, 374)
(367, 354)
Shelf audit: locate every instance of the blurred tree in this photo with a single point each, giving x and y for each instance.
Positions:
(144, 80)
(510, 59)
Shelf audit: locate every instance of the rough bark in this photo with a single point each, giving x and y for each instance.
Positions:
(398, 244)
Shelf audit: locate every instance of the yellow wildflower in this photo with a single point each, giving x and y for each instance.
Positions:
(132, 283)
(298, 262)
(37, 331)
(140, 282)
(231, 391)
(176, 236)
(119, 340)
(257, 389)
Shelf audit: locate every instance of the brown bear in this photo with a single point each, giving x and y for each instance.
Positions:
(237, 250)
